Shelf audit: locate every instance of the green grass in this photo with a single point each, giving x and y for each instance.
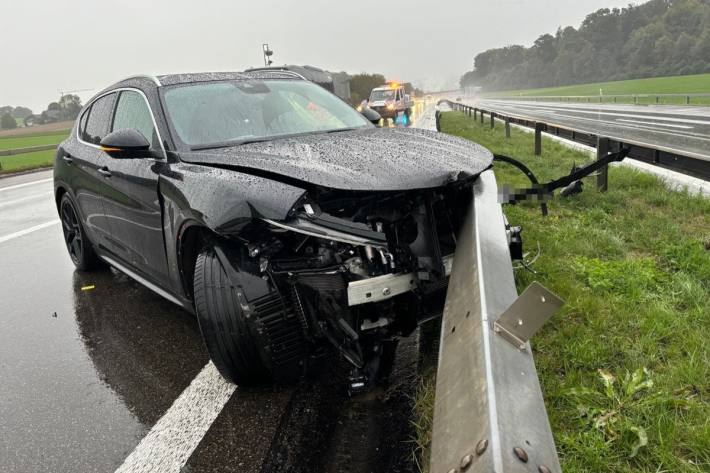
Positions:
(626, 359)
(693, 84)
(26, 161)
(25, 141)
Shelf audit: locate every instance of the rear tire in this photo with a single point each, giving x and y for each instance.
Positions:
(80, 249)
(225, 329)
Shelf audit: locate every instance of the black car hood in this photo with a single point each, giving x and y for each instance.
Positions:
(367, 159)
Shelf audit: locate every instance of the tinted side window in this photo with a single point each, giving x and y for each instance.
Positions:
(132, 112)
(82, 123)
(99, 118)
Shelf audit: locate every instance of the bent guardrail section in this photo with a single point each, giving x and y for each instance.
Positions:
(489, 414)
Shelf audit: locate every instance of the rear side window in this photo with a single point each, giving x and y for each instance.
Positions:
(132, 112)
(99, 118)
(82, 123)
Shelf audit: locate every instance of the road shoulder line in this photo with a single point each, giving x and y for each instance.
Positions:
(171, 441)
(26, 184)
(12, 236)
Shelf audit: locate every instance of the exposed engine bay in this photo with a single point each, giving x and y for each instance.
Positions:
(346, 269)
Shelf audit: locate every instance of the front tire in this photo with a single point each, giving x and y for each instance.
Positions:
(80, 249)
(225, 329)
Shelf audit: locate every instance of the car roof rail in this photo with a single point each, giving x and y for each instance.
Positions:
(275, 69)
(152, 78)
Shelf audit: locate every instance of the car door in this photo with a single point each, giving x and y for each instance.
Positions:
(132, 205)
(85, 158)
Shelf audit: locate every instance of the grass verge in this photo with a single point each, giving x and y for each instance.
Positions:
(624, 366)
(692, 84)
(25, 141)
(26, 161)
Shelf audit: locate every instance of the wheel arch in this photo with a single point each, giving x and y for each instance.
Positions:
(58, 194)
(191, 238)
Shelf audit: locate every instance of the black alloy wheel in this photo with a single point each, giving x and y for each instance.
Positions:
(80, 250)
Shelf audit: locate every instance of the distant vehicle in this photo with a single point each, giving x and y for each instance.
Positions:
(390, 100)
(285, 220)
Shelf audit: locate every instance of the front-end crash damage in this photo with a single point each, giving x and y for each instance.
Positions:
(348, 269)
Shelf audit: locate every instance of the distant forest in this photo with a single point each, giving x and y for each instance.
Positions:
(657, 38)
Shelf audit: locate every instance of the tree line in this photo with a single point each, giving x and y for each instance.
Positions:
(66, 108)
(656, 38)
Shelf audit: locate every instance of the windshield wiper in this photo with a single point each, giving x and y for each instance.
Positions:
(338, 130)
(228, 143)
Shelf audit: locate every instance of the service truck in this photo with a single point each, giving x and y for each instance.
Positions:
(390, 101)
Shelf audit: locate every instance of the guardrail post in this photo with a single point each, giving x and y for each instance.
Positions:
(482, 117)
(603, 174)
(538, 138)
(687, 100)
(507, 127)
(475, 113)
(493, 120)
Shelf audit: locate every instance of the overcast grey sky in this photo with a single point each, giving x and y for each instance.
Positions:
(52, 45)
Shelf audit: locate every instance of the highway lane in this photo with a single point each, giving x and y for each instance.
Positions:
(85, 374)
(682, 128)
(91, 364)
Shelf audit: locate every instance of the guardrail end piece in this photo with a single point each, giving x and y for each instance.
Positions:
(527, 314)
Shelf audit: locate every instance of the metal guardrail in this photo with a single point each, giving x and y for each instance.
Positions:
(668, 158)
(31, 149)
(688, 99)
(489, 414)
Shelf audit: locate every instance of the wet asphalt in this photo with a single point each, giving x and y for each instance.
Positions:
(685, 129)
(89, 362)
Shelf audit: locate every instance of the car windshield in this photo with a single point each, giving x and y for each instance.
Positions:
(226, 113)
(382, 94)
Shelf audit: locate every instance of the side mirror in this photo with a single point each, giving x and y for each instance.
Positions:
(371, 115)
(128, 139)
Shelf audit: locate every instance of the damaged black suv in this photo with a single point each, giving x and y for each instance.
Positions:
(289, 224)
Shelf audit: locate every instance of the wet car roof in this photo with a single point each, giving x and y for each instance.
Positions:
(173, 79)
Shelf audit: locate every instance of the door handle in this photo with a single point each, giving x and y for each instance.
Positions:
(105, 172)
(67, 159)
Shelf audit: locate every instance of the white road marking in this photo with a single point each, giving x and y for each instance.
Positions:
(600, 111)
(12, 236)
(17, 186)
(44, 195)
(171, 441)
(654, 124)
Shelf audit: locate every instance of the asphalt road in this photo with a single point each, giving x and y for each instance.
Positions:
(99, 374)
(682, 128)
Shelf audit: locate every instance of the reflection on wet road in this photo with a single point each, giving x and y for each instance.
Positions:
(683, 129)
